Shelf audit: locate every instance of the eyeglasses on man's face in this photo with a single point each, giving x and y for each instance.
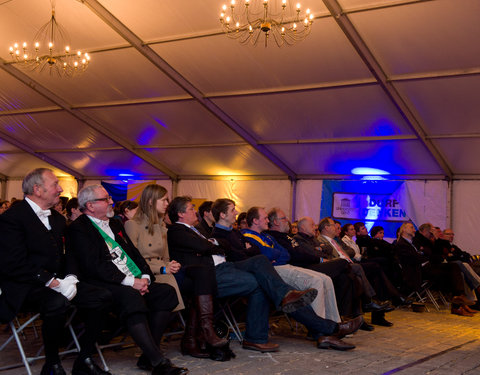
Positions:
(106, 199)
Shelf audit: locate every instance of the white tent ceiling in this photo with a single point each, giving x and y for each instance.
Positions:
(379, 83)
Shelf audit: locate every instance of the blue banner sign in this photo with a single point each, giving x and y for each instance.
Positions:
(363, 207)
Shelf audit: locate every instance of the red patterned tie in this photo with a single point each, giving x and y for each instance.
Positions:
(340, 251)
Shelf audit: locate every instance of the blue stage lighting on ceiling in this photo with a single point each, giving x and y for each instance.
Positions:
(365, 171)
(373, 178)
(146, 136)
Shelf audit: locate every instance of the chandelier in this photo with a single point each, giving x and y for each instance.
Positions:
(254, 19)
(50, 51)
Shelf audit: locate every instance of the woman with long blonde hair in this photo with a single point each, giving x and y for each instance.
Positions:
(148, 233)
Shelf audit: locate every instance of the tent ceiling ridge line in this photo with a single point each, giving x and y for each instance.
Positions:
(295, 88)
(234, 177)
(378, 71)
(180, 80)
(399, 3)
(25, 111)
(380, 138)
(406, 137)
(438, 74)
(395, 177)
(112, 103)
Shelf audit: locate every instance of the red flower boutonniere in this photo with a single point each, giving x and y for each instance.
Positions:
(120, 234)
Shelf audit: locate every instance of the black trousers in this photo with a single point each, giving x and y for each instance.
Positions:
(384, 288)
(447, 276)
(91, 302)
(128, 301)
(197, 280)
(346, 291)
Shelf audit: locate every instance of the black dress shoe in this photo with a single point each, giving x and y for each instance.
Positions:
(55, 369)
(168, 368)
(388, 306)
(381, 321)
(373, 306)
(366, 327)
(326, 342)
(402, 301)
(87, 367)
(144, 363)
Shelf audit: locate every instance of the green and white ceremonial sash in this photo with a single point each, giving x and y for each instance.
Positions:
(119, 257)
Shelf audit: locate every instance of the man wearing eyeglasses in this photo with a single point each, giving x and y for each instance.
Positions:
(35, 276)
(109, 259)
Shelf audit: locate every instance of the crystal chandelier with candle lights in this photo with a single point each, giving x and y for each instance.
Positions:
(253, 20)
(50, 51)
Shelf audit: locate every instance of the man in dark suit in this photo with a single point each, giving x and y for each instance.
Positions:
(107, 258)
(35, 276)
(415, 257)
(253, 277)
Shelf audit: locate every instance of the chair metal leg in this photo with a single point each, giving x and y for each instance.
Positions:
(442, 298)
(432, 299)
(25, 359)
(289, 322)
(102, 358)
(233, 323)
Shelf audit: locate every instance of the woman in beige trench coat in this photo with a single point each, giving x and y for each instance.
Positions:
(148, 233)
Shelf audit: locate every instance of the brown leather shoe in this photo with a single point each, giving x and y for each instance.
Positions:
(326, 342)
(350, 326)
(267, 347)
(460, 311)
(469, 310)
(462, 300)
(296, 299)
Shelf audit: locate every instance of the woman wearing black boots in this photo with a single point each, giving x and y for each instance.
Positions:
(148, 233)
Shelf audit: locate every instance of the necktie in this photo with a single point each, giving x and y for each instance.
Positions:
(197, 232)
(340, 251)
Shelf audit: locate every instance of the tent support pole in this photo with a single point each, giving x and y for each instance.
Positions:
(293, 200)
(449, 204)
(174, 187)
(3, 189)
(80, 184)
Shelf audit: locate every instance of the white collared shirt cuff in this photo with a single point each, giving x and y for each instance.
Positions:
(47, 284)
(144, 276)
(128, 281)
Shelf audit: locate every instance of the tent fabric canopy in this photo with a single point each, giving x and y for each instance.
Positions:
(382, 84)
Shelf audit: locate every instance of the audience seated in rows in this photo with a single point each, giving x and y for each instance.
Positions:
(324, 277)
